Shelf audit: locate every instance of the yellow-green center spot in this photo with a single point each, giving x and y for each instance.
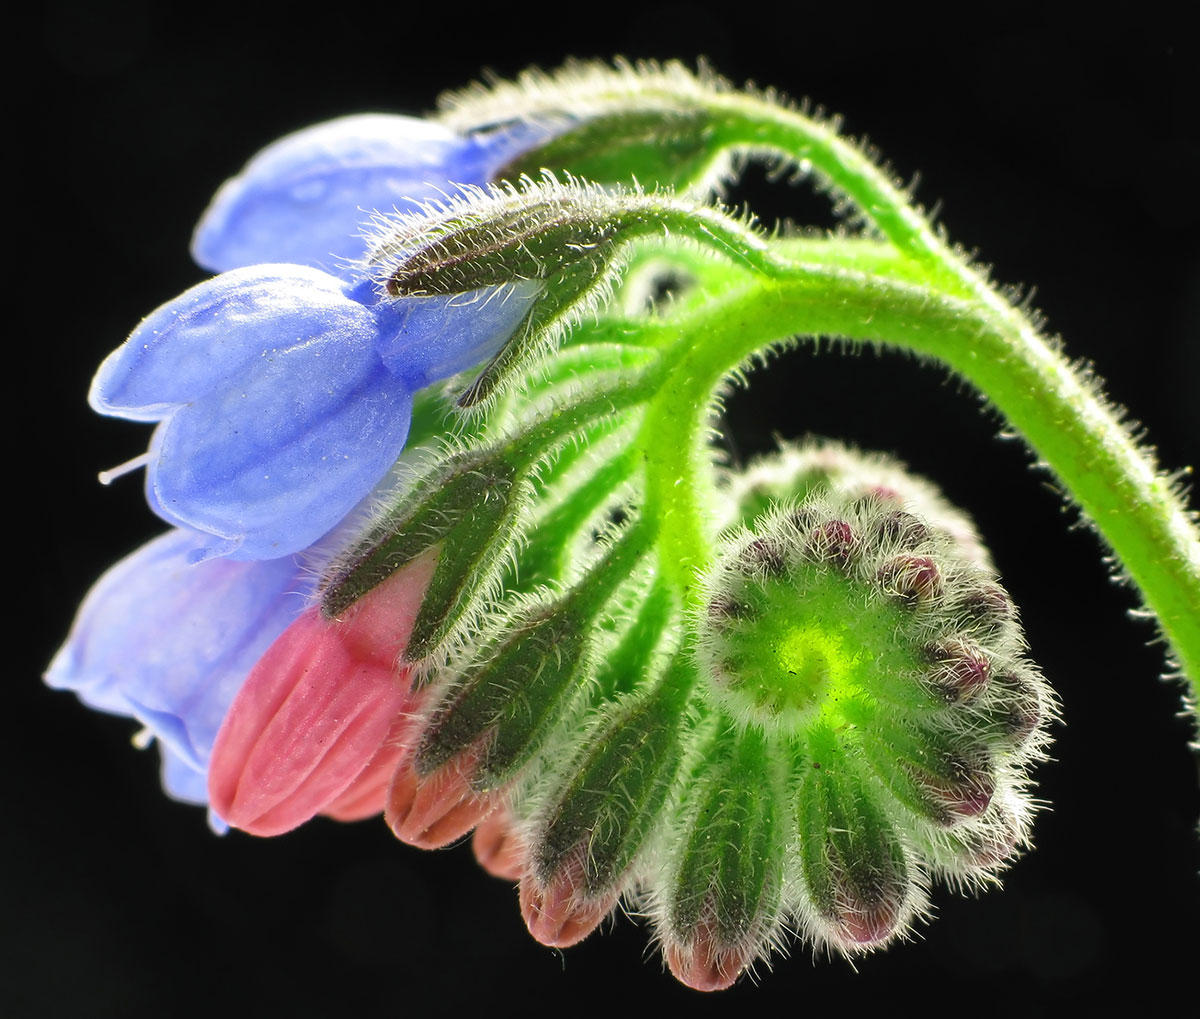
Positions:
(812, 662)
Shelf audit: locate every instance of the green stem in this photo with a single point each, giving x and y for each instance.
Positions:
(1065, 421)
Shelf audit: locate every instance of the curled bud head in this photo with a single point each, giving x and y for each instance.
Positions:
(866, 647)
(909, 506)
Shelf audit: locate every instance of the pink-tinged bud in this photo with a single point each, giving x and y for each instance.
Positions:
(431, 811)
(915, 580)
(708, 962)
(560, 914)
(366, 796)
(315, 710)
(964, 787)
(869, 922)
(498, 848)
(960, 668)
(835, 541)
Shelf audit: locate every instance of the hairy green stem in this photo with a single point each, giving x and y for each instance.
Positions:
(1066, 423)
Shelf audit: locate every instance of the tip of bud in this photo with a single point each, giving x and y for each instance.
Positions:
(431, 811)
(498, 847)
(707, 962)
(559, 913)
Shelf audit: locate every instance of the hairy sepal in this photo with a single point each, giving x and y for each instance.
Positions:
(467, 507)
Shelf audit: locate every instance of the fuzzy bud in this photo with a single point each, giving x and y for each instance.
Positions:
(606, 804)
(465, 508)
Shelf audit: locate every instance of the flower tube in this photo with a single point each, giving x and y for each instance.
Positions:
(305, 197)
(284, 395)
(169, 642)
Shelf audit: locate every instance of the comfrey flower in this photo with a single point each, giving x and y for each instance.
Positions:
(746, 701)
(169, 643)
(284, 395)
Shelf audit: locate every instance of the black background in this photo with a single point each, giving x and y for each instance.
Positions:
(1066, 153)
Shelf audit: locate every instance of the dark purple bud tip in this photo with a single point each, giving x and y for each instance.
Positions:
(916, 580)
(904, 529)
(960, 669)
(989, 606)
(1019, 706)
(762, 557)
(723, 610)
(835, 541)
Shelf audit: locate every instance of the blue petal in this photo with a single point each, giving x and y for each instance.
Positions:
(169, 643)
(303, 198)
(204, 339)
(441, 336)
(275, 463)
(277, 416)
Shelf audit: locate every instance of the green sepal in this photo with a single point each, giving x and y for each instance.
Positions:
(512, 699)
(851, 860)
(657, 147)
(612, 794)
(466, 507)
(730, 874)
(927, 770)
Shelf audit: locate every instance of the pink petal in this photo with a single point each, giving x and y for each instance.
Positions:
(316, 710)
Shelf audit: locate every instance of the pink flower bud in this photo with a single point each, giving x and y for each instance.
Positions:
(431, 811)
(708, 962)
(498, 848)
(315, 712)
(559, 913)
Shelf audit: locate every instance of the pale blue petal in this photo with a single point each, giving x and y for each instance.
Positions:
(442, 336)
(169, 643)
(275, 462)
(206, 338)
(306, 197)
(277, 414)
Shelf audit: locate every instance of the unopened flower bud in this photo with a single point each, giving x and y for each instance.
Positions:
(721, 902)
(315, 710)
(857, 876)
(434, 808)
(554, 244)
(498, 846)
(502, 708)
(606, 803)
